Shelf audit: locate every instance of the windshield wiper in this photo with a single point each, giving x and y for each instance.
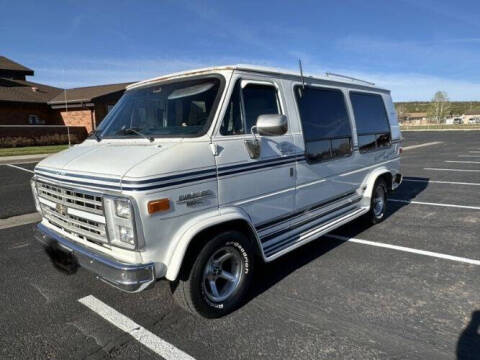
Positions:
(96, 133)
(129, 131)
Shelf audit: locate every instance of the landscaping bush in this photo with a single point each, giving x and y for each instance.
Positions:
(32, 136)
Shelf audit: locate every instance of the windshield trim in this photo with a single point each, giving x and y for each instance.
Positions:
(211, 116)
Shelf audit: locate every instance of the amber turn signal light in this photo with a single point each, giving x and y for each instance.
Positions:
(158, 205)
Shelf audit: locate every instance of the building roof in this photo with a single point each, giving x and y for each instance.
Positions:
(26, 91)
(265, 70)
(10, 65)
(86, 94)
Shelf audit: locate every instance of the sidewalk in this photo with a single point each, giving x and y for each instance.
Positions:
(19, 159)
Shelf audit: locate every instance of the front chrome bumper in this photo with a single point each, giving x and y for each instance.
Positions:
(126, 277)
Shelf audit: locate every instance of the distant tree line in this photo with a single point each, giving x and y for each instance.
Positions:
(439, 108)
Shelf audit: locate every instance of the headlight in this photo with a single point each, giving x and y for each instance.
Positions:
(120, 222)
(123, 208)
(35, 196)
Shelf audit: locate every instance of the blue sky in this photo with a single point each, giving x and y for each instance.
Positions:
(413, 47)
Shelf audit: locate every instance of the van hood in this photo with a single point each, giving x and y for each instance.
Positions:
(111, 160)
(111, 165)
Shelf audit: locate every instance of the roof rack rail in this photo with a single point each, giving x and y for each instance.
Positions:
(349, 77)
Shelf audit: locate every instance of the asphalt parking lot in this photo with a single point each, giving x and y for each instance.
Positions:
(407, 288)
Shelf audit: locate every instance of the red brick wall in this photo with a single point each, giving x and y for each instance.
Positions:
(17, 114)
(83, 117)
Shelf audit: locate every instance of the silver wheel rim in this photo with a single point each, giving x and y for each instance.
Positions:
(222, 274)
(379, 202)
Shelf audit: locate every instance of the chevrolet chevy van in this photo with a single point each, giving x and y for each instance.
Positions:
(196, 177)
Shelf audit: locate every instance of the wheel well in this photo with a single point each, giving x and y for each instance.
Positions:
(200, 239)
(388, 178)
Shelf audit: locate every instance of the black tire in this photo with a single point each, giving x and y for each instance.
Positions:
(193, 292)
(377, 215)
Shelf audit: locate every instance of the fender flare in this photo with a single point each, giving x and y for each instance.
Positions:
(369, 182)
(194, 226)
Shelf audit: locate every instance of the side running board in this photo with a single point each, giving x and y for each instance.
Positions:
(272, 251)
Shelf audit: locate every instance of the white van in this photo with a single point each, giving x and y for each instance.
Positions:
(197, 176)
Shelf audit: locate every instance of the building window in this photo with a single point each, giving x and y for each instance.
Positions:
(246, 105)
(33, 119)
(371, 118)
(325, 123)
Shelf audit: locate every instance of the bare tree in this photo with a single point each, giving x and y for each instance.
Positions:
(439, 106)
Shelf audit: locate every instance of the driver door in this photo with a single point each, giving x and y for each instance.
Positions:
(263, 187)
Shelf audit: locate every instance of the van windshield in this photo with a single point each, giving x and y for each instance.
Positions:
(176, 109)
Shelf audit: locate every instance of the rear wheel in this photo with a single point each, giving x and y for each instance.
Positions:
(378, 205)
(218, 280)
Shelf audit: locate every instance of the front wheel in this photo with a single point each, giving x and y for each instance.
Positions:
(219, 279)
(378, 204)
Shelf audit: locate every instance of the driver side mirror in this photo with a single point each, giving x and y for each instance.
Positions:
(267, 125)
(272, 125)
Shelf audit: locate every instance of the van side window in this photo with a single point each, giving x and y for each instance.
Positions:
(259, 99)
(372, 122)
(325, 123)
(246, 105)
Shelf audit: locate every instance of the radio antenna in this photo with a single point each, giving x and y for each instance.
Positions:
(301, 73)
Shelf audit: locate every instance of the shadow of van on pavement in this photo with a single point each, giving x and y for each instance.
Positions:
(267, 275)
(468, 346)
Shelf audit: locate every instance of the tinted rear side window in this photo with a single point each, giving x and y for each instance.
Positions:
(325, 123)
(371, 119)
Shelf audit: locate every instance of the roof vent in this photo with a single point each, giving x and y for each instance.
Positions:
(34, 88)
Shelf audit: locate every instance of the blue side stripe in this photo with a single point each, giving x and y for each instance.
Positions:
(82, 182)
(197, 175)
(99, 178)
(172, 183)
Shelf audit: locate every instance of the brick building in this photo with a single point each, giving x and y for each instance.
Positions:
(23, 102)
(86, 106)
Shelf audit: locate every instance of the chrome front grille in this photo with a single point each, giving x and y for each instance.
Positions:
(78, 213)
(72, 198)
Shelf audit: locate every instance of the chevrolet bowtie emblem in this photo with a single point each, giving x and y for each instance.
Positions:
(62, 209)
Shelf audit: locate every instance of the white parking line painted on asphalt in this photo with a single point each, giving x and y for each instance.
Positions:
(459, 170)
(421, 145)
(474, 152)
(142, 335)
(18, 167)
(435, 204)
(406, 249)
(20, 220)
(441, 182)
(472, 156)
(462, 162)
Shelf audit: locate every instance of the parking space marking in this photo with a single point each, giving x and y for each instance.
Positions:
(18, 167)
(406, 249)
(421, 145)
(20, 220)
(435, 204)
(139, 333)
(440, 182)
(462, 162)
(474, 156)
(460, 170)
(474, 151)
